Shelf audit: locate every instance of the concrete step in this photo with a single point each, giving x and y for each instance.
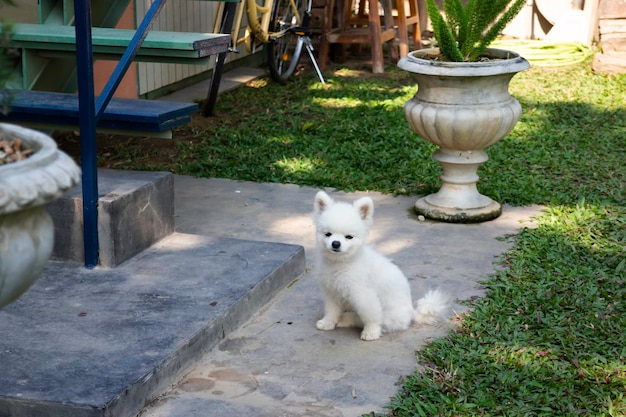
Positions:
(105, 342)
(135, 210)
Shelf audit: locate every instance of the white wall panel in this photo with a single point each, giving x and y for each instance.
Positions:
(179, 16)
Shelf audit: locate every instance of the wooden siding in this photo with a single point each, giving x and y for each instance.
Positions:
(612, 33)
(182, 16)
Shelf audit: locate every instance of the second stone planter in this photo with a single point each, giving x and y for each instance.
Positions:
(462, 107)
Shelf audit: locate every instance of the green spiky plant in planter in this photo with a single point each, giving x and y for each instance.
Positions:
(468, 30)
(40, 174)
(463, 104)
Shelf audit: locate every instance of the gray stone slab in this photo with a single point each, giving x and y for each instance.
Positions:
(135, 210)
(104, 342)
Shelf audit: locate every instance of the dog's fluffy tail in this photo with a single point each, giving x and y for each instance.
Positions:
(432, 307)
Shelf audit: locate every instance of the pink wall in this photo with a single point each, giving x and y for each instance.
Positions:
(104, 69)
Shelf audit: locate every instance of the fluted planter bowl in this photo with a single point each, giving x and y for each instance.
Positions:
(26, 229)
(462, 107)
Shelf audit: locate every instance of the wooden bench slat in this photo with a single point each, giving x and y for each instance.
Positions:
(108, 40)
(63, 50)
(114, 55)
(121, 113)
(142, 53)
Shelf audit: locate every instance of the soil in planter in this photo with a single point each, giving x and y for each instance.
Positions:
(485, 57)
(12, 150)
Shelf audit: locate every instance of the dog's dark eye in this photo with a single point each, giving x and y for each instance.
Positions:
(349, 237)
(328, 234)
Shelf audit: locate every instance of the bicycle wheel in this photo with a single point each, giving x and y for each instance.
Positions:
(285, 47)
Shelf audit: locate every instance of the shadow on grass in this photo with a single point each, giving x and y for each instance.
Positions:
(559, 153)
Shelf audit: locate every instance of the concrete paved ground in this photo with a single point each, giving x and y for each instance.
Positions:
(278, 364)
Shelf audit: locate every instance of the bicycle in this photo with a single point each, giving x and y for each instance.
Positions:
(282, 26)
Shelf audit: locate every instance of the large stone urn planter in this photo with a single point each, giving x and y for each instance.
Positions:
(26, 229)
(462, 107)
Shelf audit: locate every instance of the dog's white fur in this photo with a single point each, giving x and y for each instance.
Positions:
(361, 287)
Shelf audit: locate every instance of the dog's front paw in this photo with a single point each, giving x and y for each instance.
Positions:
(371, 332)
(324, 324)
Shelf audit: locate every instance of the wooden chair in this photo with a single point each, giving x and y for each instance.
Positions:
(405, 16)
(351, 31)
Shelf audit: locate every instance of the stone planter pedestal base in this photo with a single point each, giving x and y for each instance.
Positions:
(458, 199)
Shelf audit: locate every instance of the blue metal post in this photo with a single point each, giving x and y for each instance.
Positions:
(88, 121)
(90, 111)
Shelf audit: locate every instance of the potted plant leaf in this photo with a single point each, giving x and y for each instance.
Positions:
(33, 172)
(462, 104)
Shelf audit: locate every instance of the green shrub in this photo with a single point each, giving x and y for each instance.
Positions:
(468, 30)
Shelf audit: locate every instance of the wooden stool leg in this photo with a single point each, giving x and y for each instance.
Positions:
(353, 31)
(403, 30)
(422, 19)
(378, 66)
(417, 30)
(327, 26)
(361, 13)
(388, 18)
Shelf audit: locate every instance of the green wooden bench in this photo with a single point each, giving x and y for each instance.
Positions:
(110, 43)
(137, 117)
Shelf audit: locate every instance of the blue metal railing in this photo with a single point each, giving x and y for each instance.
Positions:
(90, 111)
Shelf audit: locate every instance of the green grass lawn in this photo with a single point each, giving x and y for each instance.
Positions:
(549, 338)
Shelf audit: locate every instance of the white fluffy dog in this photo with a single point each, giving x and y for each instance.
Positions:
(361, 287)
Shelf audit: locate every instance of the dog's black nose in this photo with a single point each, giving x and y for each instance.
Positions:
(336, 244)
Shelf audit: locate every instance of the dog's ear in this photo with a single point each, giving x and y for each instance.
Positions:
(365, 206)
(322, 202)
